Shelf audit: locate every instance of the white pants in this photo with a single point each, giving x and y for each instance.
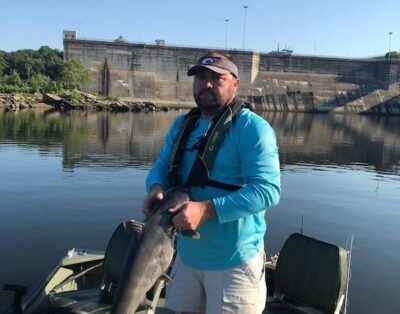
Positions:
(241, 289)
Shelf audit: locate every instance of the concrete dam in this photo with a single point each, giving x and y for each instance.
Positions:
(271, 81)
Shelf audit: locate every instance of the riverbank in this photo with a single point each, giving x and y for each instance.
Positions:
(85, 101)
(19, 101)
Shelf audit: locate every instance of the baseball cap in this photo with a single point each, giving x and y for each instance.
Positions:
(216, 63)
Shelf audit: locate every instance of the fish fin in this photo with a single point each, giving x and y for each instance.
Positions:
(190, 233)
(134, 226)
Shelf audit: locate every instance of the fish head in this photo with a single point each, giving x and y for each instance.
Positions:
(173, 197)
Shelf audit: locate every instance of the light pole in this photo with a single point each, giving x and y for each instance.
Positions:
(244, 24)
(390, 43)
(226, 32)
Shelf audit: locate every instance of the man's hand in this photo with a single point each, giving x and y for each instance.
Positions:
(155, 195)
(192, 214)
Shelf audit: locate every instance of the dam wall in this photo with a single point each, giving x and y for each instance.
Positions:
(348, 70)
(272, 82)
(143, 71)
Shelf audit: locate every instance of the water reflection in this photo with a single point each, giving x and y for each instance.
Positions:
(345, 140)
(89, 139)
(116, 140)
(103, 139)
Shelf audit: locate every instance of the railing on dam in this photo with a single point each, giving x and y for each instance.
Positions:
(142, 43)
(377, 58)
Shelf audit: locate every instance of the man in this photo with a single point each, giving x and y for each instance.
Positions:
(227, 156)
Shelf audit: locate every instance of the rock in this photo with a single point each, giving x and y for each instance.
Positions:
(99, 107)
(41, 105)
(89, 101)
(119, 107)
(85, 94)
(51, 99)
(149, 106)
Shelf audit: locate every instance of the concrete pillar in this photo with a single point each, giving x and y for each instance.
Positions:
(255, 67)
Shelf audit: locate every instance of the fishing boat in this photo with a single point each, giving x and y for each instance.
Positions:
(307, 276)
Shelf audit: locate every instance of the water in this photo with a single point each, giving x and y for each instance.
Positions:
(68, 179)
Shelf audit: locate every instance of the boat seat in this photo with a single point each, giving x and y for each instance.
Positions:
(311, 276)
(87, 300)
(99, 300)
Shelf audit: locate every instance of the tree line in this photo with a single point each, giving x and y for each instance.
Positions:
(42, 70)
(392, 54)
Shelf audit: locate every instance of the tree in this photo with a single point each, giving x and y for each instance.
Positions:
(12, 83)
(3, 63)
(13, 79)
(75, 75)
(52, 61)
(42, 70)
(40, 83)
(393, 54)
(26, 62)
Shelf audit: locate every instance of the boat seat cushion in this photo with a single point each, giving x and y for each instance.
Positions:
(95, 300)
(278, 307)
(126, 234)
(310, 273)
(88, 300)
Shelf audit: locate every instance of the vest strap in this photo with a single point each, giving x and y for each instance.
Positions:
(204, 160)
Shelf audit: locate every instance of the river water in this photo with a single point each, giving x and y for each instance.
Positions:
(67, 179)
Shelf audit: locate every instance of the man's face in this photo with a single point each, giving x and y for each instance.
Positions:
(212, 91)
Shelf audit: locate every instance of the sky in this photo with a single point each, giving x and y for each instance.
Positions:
(342, 28)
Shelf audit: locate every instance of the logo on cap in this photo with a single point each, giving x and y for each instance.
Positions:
(220, 65)
(208, 60)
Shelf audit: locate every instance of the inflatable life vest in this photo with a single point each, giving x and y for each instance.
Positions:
(205, 157)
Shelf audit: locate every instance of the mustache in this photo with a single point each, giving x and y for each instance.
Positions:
(207, 104)
(204, 91)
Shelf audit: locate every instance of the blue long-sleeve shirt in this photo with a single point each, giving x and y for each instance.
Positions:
(248, 157)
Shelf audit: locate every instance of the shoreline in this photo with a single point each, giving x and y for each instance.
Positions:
(22, 101)
(86, 101)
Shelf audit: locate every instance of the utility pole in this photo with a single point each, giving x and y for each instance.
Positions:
(226, 33)
(244, 24)
(390, 43)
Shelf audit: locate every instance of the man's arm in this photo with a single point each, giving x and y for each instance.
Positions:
(192, 214)
(259, 164)
(260, 169)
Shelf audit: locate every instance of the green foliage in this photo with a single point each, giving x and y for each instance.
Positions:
(13, 79)
(40, 83)
(73, 95)
(3, 64)
(26, 62)
(393, 54)
(40, 71)
(112, 97)
(52, 61)
(12, 83)
(75, 75)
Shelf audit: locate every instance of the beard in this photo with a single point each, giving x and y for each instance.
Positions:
(207, 100)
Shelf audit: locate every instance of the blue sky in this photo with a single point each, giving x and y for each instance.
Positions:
(352, 28)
